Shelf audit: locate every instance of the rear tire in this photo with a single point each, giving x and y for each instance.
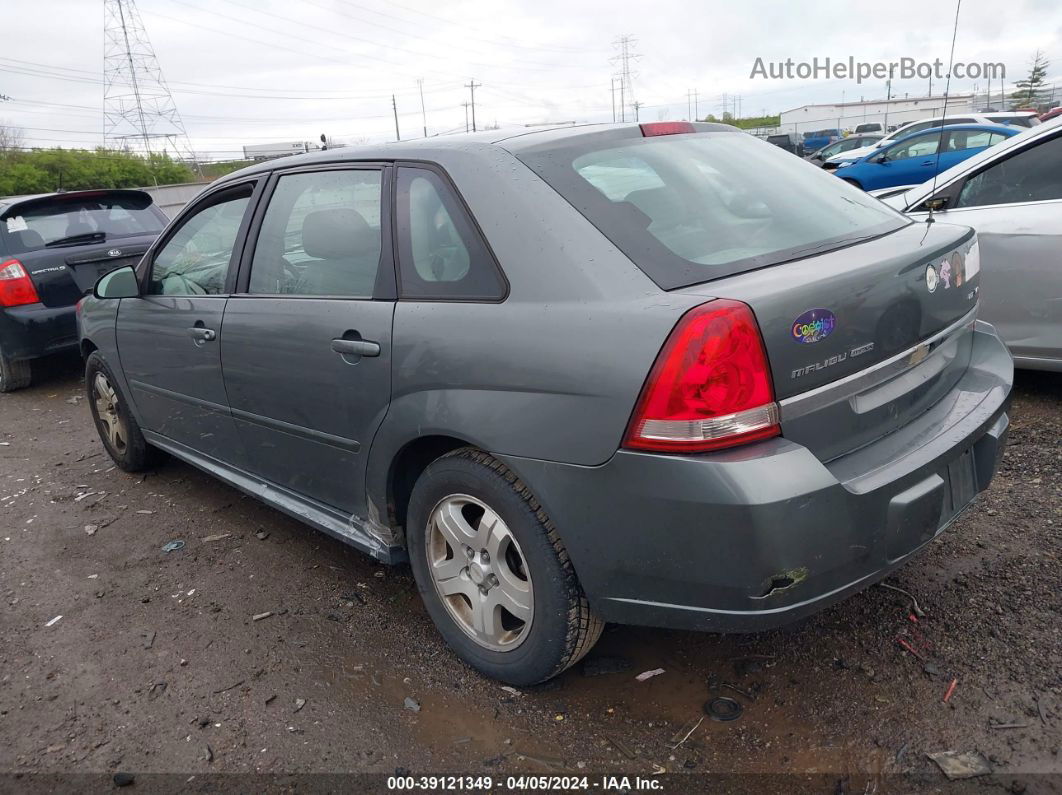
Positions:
(118, 431)
(468, 500)
(14, 374)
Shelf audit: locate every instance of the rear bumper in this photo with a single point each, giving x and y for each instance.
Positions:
(764, 535)
(35, 330)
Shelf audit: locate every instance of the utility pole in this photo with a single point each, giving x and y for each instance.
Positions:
(888, 98)
(394, 107)
(423, 114)
(696, 106)
(465, 106)
(472, 85)
(613, 100)
(689, 104)
(636, 104)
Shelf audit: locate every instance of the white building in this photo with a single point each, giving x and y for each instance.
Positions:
(887, 113)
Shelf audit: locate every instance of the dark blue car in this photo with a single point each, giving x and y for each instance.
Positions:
(915, 158)
(813, 141)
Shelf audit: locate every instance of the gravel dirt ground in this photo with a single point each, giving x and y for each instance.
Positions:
(264, 647)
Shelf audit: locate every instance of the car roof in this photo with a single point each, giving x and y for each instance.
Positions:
(513, 139)
(1003, 128)
(7, 202)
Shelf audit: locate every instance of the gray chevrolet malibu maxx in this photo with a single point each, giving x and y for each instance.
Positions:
(660, 374)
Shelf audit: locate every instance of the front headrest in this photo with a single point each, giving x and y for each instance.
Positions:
(338, 233)
(30, 239)
(660, 204)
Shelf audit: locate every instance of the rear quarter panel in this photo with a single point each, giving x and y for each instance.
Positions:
(554, 370)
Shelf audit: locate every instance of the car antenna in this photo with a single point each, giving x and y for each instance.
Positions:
(944, 112)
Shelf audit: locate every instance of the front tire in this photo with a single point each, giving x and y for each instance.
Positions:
(494, 574)
(14, 374)
(118, 430)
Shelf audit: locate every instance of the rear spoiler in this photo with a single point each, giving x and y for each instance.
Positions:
(16, 204)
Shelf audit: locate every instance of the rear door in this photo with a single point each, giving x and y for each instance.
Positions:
(306, 342)
(169, 339)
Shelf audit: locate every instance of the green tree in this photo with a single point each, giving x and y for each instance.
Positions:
(1029, 93)
(43, 170)
(748, 123)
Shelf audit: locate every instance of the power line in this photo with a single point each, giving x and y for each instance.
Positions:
(506, 41)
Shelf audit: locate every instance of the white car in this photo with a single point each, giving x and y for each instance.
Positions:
(1013, 118)
(1011, 194)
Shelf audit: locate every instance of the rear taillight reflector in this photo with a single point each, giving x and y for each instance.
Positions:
(649, 129)
(16, 287)
(710, 386)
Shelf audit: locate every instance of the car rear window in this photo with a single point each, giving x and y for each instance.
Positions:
(691, 208)
(35, 225)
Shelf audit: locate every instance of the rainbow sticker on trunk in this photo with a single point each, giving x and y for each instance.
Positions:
(814, 325)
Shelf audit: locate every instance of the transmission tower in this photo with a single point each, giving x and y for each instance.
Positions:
(139, 113)
(625, 46)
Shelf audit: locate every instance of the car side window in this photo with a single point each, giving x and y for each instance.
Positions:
(440, 251)
(1032, 175)
(321, 235)
(917, 147)
(196, 258)
(916, 127)
(960, 140)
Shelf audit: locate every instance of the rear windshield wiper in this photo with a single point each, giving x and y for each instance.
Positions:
(85, 237)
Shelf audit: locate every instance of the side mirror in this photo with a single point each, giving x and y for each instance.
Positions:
(120, 283)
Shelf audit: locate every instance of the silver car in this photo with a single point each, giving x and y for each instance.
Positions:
(1012, 195)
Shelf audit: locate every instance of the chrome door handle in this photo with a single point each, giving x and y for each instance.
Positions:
(356, 347)
(200, 334)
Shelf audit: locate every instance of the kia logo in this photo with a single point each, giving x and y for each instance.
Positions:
(114, 252)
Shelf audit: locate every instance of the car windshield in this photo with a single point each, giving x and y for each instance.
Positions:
(47, 222)
(691, 208)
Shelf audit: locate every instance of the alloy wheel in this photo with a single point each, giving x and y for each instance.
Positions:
(479, 572)
(110, 421)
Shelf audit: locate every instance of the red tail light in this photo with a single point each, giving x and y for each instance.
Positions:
(16, 287)
(666, 128)
(710, 386)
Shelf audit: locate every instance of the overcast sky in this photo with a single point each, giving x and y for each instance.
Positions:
(258, 71)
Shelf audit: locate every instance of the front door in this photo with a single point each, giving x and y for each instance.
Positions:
(169, 339)
(306, 341)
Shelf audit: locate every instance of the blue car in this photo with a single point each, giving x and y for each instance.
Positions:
(913, 159)
(813, 141)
